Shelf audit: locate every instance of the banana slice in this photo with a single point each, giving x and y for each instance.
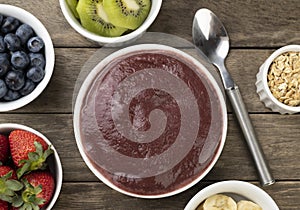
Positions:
(219, 202)
(247, 205)
(200, 207)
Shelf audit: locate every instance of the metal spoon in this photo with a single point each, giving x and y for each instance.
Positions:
(212, 41)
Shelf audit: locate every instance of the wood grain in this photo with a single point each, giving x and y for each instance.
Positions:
(96, 195)
(256, 28)
(67, 77)
(280, 149)
(249, 23)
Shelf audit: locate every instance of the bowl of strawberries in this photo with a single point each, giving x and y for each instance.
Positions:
(30, 169)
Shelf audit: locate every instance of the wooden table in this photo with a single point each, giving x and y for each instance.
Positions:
(256, 29)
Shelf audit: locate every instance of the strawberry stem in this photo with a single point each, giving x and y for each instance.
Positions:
(36, 160)
(29, 199)
(9, 187)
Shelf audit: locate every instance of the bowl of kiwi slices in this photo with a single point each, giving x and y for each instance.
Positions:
(111, 22)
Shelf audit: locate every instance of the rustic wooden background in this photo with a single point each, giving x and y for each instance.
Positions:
(256, 29)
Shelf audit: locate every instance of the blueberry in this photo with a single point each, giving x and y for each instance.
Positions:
(1, 19)
(3, 88)
(35, 73)
(35, 44)
(28, 87)
(12, 41)
(37, 59)
(4, 64)
(12, 95)
(24, 32)
(5, 55)
(2, 44)
(20, 60)
(15, 80)
(10, 24)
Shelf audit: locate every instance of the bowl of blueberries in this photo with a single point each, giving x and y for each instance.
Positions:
(26, 57)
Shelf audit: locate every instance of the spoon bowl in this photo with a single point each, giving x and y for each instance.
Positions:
(210, 35)
(212, 41)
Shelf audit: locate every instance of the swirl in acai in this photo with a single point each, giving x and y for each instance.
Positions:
(151, 122)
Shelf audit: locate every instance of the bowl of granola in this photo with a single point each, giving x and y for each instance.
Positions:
(278, 80)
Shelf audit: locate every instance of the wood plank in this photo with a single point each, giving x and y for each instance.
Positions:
(62, 137)
(256, 28)
(98, 196)
(68, 73)
(249, 23)
(281, 148)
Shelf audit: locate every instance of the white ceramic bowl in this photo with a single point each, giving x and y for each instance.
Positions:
(53, 162)
(111, 41)
(240, 188)
(40, 30)
(164, 81)
(263, 90)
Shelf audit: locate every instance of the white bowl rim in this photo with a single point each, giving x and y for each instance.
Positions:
(26, 17)
(266, 65)
(6, 127)
(233, 186)
(110, 40)
(97, 69)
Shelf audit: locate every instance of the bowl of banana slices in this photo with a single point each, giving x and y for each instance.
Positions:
(231, 195)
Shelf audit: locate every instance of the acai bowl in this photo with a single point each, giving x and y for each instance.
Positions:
(150, 121)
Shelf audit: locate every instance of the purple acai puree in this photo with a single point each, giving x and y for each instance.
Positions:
(151, 122)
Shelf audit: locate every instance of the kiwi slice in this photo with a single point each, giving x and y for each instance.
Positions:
(127, 13)
(72, 5)
(94, 18)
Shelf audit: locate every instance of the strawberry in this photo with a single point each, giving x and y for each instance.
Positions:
(39, 189)
(4, 205)
(8, 185)
(6, 169)
(29, 151)
(4, 148)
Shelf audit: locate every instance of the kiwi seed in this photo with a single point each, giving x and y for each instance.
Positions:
(127, 13)
(93, 17)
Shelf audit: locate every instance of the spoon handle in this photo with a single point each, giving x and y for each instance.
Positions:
(241, 113)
